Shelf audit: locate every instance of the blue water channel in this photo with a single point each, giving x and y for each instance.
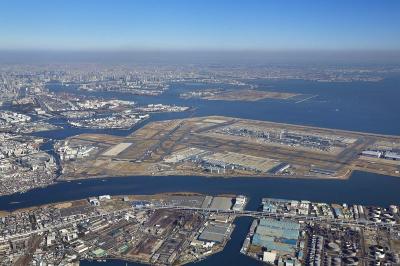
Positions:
(359, 106)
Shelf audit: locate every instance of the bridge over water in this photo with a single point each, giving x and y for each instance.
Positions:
(296, 217)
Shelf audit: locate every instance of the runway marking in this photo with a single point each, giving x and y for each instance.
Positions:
(303, 100)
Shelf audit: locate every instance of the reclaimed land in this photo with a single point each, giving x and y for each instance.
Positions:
(230, 147)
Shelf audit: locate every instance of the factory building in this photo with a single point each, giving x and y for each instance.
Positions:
(215, 232)
(271, 206)
(279, 236)
(269, 257)
(240, 202)
(98, 253)
(221, 203)
(207, 201)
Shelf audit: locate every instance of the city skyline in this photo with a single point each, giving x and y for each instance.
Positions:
(215, 132)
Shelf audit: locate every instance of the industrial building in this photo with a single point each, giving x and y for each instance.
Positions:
(207, 201)
(221, 203)
(215, 232)
(240, 202)
(279, 236)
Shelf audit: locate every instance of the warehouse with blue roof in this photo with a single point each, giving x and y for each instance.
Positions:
(277, 235)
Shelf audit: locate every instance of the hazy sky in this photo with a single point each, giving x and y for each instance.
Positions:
(200, 24)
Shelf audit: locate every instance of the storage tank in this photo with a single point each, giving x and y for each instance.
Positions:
(393, 208)
(332, 246)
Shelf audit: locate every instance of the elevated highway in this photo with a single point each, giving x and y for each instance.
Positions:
(74, 219)
(296, 217)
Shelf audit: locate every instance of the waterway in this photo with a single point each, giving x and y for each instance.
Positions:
(361, 188)
(229, 256)
(359, 106)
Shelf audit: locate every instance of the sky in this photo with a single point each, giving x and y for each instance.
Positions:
(261, 25)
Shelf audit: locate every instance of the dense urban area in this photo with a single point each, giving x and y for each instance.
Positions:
(179, 228)
(200, 132)
(29, 107)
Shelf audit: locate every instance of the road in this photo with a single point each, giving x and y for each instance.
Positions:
(254, 214)
(297, 217)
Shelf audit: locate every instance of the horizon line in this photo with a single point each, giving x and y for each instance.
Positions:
(2, 50)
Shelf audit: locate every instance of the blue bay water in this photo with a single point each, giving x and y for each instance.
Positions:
(359, 106)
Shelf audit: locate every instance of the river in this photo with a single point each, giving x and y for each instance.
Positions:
(359, 106)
